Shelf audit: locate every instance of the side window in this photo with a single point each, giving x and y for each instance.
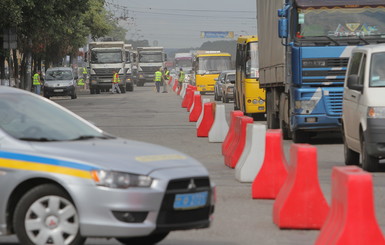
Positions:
(355, 64)
(362, 71)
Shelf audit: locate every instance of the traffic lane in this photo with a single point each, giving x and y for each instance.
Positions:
(238, 218)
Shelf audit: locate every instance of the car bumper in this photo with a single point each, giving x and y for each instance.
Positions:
(106, 212)
(375, 137)
(59, 91)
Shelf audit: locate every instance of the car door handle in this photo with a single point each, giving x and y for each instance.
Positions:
(353, 96)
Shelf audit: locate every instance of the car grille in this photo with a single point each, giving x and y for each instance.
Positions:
(170, 219)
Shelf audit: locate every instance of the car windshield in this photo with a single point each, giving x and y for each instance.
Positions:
(32, 118)
(342, 22)
(230, 77)
(377, 70)
(58, 75)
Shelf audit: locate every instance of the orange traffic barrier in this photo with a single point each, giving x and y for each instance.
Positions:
(230, 134)
(300, 203)
(186, 98)
(273, 173)
(175, 87)
(170, 80)
(351, 219)
(191, 100)
(239, 141)
(197, 108)
(207, 119)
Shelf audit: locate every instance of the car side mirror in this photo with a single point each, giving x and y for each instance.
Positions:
(353, 83)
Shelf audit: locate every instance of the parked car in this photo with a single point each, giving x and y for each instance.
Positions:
(63, 179)
(218, 84)
(60, 81)
(363, 117)
(228, 87)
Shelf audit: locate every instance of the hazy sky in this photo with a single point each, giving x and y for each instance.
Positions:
(178, 23)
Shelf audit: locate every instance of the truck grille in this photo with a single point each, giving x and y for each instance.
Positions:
(171, 219)
(149, 69)
(330, 73)
(334, 103)
(104, 71)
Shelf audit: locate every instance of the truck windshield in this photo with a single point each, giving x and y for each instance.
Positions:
(109, 56)
(342, 22)
(252, 63)
(128, 57)
(150, 57)
(377, 70)
(183, 63)
(214, 64)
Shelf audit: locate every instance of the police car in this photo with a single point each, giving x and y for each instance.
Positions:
(62, 180)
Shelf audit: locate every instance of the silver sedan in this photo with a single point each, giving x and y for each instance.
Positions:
(63, 179)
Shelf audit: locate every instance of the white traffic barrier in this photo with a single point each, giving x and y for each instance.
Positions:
(220, 127)
(251, 159)
(206, 100)
(183, 91)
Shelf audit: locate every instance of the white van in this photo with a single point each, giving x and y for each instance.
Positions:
(363, 118)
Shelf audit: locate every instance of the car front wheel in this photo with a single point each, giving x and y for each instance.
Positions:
(46, 215)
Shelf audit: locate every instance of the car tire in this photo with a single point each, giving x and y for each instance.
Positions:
(351, 157)
(216, 95)
(145, 240)
(73, 96)
(369, 163)
(37, 206)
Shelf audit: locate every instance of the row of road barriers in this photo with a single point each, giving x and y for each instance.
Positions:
(256, 154)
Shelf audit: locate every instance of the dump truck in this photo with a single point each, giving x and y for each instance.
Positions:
(304, 48)
(148, 61)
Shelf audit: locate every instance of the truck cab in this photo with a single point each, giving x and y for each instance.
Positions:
(364, 107)
(148, 61)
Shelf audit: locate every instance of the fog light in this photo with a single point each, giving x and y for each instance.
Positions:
(311, 119)
(130, 217)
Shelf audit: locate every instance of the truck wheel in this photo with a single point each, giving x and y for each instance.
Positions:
(46, 214)
(271, 117)
(369, 163)
(151, 239)
(285, 130)
(300, 136)
(351, 157)
(130, 87)
(123, 89)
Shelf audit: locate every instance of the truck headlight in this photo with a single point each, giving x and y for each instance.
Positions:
(305, 104)
(92, 72)
(376, 112)
(120, 180)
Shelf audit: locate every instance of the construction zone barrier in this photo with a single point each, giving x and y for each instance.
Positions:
(186, 99)
(351, 219)
(175, 87)
(230, 134)
(300, 203)
(252, 157)
(220, 127)
(273, 173)
(239, 140)
(183, 91)
(191, 101)
(207, 120)
(196, 108)
(204, 101)
(170, 80)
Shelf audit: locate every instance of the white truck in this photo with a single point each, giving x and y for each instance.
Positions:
(128, 67)
(104, 58)
(184, 61)
(148, 61)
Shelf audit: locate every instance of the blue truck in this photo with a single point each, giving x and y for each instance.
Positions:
(304, 48)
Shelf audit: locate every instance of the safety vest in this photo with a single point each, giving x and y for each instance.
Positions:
(36, 79)
(84, 70)
(166, 74)
(158, 76)
(181, 76)
(116, 78)
(81, 82)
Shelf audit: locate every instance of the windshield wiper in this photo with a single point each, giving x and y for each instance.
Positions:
(87, 137)
(37, 139)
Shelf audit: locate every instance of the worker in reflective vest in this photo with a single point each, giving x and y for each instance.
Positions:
(181, 77)
(115, 83)
(158, 79)
(166, 77)
(37, 82)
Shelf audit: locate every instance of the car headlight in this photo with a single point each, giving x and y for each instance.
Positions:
(376, 112)
(120, 180)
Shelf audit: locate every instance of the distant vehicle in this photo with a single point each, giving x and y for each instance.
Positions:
(363, 114)
(60, 81)
(207, 65)
(184, 61)
(148, 61)
(248, 96)
(128, 67)
(104, 58)
(218, 84)
(63, 180)
(228, 87)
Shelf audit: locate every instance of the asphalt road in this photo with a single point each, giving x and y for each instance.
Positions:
(239, 220)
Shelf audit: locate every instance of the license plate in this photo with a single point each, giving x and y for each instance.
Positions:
(190, 201)
(58, 90)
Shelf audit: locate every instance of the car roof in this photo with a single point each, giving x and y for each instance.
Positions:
(7, 90)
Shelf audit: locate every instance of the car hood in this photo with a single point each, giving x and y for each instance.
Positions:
(116, 154)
